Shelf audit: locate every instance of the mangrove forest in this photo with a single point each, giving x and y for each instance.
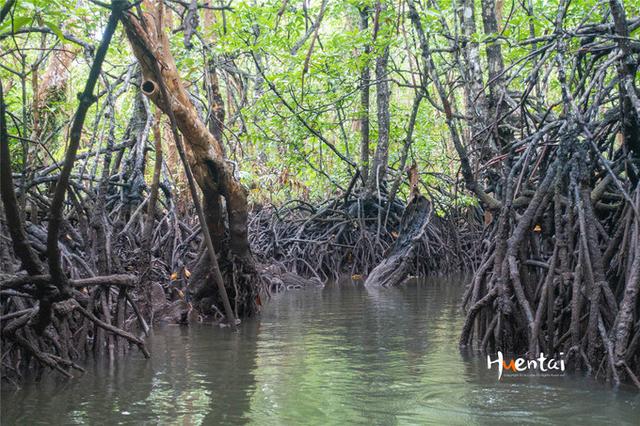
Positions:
(320, 212)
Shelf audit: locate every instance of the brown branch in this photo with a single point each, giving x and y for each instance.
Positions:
(119, 280)
(467, 172)
(21, 246)
(86, 100)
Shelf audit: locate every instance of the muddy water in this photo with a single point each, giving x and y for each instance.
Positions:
(337, 355)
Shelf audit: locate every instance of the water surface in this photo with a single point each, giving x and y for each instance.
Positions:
(334, 355)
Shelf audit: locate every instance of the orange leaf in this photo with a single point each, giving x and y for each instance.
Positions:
(488, 217)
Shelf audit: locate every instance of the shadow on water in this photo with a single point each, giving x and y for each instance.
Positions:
(197, 375)
(341, 354)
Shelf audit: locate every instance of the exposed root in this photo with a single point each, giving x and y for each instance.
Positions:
(352, 234)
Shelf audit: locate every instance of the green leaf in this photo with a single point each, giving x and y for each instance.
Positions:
(56, 29)
(15, 24)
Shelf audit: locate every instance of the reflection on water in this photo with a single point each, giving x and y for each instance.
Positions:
(336, 355)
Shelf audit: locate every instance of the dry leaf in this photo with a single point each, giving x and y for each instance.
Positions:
(187, 273)
(174, 276)
(488, 217)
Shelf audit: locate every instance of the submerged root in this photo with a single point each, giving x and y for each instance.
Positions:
(72, 332)
(563, 274)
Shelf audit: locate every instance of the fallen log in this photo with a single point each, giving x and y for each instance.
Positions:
(396, 266)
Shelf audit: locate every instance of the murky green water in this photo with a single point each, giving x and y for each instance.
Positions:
(337, 355)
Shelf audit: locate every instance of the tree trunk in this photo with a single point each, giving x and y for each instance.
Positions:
(475, 99)
(365, 77)
(212, 172)
(496, 78)
(379, 165)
